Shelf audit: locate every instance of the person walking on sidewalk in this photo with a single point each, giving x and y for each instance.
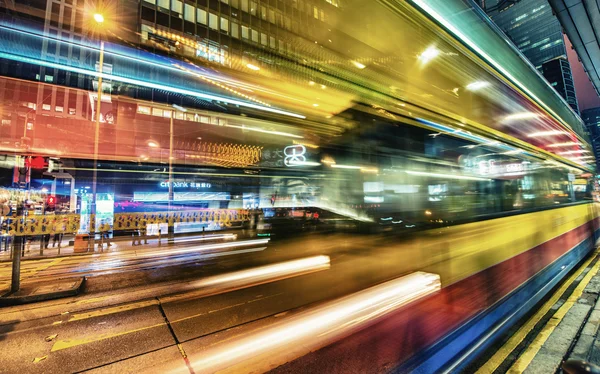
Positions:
(141, 233)
(105, 233)
(57, 229)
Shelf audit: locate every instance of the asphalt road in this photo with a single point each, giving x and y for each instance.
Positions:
(136, 325)
(156, 333)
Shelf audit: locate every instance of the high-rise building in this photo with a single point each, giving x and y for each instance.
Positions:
(591, 117)
(558, 73)
(537, 33)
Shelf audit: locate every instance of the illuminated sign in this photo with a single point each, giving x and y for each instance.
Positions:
(497, 168)
(165, 184)
(51, 200)
(294, 155)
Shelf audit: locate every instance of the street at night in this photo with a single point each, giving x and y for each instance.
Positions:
(299, 186)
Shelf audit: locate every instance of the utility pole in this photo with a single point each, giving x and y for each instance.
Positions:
(92, 228)
(18, 243)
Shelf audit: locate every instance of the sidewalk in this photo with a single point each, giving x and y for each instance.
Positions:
(565, 327)
(120, 243)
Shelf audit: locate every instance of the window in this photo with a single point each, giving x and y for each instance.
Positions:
(177, 6)
(263, 39)
(272, 42)
(255, 36)
(245, 5)
(316, 12)
(244, 32)
(224, 25)
(163, 3)
(157, 112)
(59, 109)
(253, 7)
(234, 3)
(46, 106)
(263, 12)
(213, 21)
(190, 14)
(235, 32)
(48, 78)
(72, 111)
(201, 16)
(271, 16)
(151, 1)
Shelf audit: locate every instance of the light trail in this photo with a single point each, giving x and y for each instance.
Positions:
(449, 176)
(315, 328)
(422, 4)
(141, 83)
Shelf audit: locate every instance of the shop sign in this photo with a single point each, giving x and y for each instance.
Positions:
(195, 185)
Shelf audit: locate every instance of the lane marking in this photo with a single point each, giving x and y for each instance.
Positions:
(498, 358)
(526, 357)
(70, 343)
(112, 310)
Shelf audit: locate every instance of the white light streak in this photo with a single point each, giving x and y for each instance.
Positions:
(547, 133)
(449, 176)
(316, 327)
(252, 277)
(521, 116)
(478, 85)
(566, 144)
(303, 163)
(256, 129)
(346, 166)
(573, 152)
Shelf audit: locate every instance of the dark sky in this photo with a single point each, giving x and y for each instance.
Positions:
(586, 95)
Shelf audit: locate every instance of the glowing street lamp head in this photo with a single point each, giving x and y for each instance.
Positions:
(99, 18)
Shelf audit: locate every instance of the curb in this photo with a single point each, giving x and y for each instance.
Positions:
(9, 300)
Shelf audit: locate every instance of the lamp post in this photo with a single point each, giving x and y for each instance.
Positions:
(99, 18)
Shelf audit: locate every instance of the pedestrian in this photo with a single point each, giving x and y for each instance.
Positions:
(58, 234)
(144, 231)
(46, 240)
(105, 232)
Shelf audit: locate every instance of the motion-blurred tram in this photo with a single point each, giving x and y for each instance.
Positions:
(429, 135)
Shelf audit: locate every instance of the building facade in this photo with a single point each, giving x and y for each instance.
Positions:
(537, 33)
(591, 117)
(558, 73)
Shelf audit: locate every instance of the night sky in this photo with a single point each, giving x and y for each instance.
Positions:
(586, 95)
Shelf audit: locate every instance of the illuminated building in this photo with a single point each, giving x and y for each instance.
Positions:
(591, 117)
(537, 33)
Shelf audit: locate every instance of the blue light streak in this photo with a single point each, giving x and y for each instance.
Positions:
(10, 55)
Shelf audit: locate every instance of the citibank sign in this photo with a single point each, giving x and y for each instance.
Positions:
(195, 185)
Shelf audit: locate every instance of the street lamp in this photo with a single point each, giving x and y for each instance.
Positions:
(99, 18)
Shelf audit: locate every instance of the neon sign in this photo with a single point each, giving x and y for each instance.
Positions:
(294, 155)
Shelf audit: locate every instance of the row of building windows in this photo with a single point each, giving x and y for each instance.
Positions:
(187, 116)
(266, 13)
